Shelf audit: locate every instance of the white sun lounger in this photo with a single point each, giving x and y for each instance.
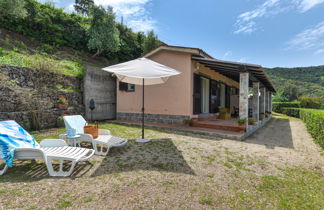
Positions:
(53, 149)
(101, 144)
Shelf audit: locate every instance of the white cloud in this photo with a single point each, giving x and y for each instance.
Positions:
(305, 5)
(134, 12)
(243, 60)
(227, 54)
(320, 51)
(246, 23)
(311, 38)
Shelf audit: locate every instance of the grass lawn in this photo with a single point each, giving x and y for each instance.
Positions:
(177, 172)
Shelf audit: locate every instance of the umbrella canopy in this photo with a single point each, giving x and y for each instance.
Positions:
(135, 71)
(142, 71)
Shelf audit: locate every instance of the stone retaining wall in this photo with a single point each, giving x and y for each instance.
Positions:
(30, 96)
(155, 118)
(38, 119)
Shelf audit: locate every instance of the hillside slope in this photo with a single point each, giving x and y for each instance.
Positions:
(303, 80)
(18, 50)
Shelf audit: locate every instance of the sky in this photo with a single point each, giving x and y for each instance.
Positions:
(272, 33)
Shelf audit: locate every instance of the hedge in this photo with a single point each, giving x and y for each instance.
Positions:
(314, 120)
(293, 112)
(278, 106)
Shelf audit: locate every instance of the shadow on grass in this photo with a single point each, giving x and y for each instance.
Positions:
(276, 133)
(157, 155)
(36, 170)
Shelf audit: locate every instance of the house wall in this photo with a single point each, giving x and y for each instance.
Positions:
(172, 101)
(170, 98)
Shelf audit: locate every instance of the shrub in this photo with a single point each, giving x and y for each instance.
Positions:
(241, 121)
(46, 48)
(310, 102)
(293, 112)
(314, 120)
(251, 121)
(277, 106)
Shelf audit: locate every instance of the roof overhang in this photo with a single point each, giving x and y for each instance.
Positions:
(194, 51)
(233, 69)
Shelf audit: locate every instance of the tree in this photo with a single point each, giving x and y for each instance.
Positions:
(291, 91)
(151, 42)
(103, 33)
(279, 97)
(14, 8)
(83, 6)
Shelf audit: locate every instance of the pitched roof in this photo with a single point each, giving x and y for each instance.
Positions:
(227, 68)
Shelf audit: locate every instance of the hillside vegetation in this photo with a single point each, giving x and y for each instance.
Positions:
(295, 82)
(43, 37)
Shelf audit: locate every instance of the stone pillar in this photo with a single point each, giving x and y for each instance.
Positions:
(244, 96)
(267, 101)
(255, 105)
(270, 102)
(262, 100)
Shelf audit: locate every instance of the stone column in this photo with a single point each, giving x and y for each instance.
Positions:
(255, 105)
(267, 101)
(244, 96)
(262, 100)
(270, 102)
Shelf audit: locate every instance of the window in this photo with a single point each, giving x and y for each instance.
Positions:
(123, 86)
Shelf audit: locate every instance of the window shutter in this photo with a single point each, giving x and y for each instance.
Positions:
(123, 86)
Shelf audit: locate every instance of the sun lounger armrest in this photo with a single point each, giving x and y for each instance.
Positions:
(104, 132)
(53, 143)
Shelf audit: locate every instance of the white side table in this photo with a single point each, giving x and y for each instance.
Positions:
(75, 140)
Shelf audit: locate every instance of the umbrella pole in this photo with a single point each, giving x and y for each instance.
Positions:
(143, 112)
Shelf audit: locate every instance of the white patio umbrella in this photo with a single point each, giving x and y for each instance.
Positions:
(142, 71)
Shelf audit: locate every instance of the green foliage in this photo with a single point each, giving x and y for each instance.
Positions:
(241, 121)
(278, 106)
(292, 112)
(295, 82)
(42, 62)
(310, 102)
(49, 25)
(313, 119)
(103, 33)
(279, 97)
(13, 8)
(251, 121)
(46, 48)
(83, 6)
(151, 42)
(62, 100)
(97, 32)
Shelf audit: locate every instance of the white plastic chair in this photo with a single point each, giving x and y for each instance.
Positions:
(53, 149)
(101, 144)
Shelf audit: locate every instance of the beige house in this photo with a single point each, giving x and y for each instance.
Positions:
(205, 86)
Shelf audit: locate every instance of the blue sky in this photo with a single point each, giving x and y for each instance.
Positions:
(272, 33)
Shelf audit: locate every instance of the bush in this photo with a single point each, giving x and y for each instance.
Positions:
(310, 102)
(293, 112)
(278, 106)
(313, 119)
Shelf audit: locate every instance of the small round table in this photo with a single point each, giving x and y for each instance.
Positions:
(75, 140)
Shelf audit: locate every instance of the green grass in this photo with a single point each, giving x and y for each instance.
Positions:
(65, 89)
(296, 188)
(288, 188)
(63, 204)
(41, 61)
